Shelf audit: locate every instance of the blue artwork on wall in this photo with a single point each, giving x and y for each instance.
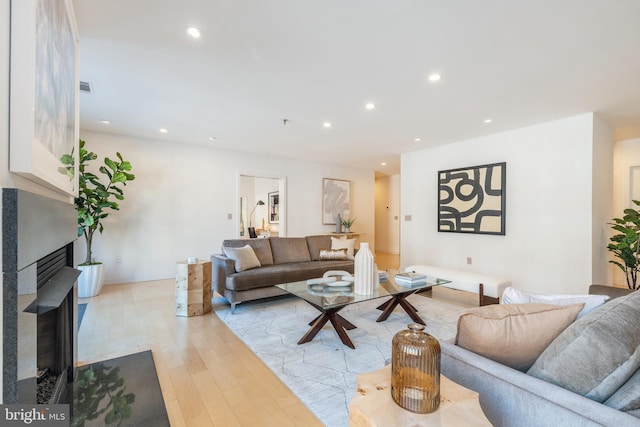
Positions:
(472, 199)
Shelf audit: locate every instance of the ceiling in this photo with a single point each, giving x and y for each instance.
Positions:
(260, 62)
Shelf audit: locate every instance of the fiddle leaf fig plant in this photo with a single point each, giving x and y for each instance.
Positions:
(624, 245)
(98, 195)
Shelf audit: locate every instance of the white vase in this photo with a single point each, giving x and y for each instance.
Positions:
(365, 273)
(91, 280)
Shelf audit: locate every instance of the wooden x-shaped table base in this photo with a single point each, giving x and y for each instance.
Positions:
(340, 324)
(400, 299)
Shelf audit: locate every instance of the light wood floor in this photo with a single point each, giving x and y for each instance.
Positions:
(207, 375)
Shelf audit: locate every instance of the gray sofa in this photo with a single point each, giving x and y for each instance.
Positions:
(282, 260)
(513, 398)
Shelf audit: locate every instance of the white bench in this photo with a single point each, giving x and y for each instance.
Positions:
(488, 288)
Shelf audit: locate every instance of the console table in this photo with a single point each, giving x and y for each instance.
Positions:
(193, 288)
(373, 405)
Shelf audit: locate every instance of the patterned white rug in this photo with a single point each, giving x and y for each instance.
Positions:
(322, 373)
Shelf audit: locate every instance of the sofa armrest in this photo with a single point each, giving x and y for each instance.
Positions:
(222, 267)
(512, 398)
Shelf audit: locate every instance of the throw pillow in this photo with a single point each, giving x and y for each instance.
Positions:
(513, 334)
(244, 258)
(333, 254)
(516, 296)
(348, 244)
(598, 353)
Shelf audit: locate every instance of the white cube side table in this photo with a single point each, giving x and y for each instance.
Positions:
(193, 288)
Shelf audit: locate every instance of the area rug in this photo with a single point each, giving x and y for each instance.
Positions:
(82, 308)
(322, 373)
(124, 391)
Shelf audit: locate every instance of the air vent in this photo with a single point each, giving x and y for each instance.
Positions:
(85, 87)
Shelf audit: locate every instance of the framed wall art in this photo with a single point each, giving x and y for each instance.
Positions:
(44, 92)
(274, 207)
(472, 199)
(336, 199)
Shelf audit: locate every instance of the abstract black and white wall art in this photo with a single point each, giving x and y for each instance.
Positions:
(472, 199)
(336, 199)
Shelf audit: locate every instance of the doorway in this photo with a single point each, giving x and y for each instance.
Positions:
(262, 207)
(387, 220)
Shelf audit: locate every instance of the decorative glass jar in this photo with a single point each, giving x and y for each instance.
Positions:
(415, 370)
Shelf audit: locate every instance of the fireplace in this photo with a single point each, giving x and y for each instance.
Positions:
(39, 296)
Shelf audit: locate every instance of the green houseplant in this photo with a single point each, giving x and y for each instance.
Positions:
(98, 195)
(624, 245)
(348, 222)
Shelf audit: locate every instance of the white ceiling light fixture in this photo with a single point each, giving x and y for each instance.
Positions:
(434, 77)
(383, 163)
(417, 139)
(194, 32)
(105, 122)
(163, 130)
(212, 138)
(488, 120)
(326, 124)
(370, 106)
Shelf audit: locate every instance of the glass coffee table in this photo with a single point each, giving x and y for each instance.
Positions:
(329, 300)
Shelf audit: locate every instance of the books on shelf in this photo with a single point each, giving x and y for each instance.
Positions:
(410, 279)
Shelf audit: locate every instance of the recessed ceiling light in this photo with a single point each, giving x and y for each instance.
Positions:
(326, 124)
(488, 120)
(194, 32)
(370, 106)
(163, 130)
(384, 163)
(212, 138)
(434, 77)
(105, 122)
(417, 140)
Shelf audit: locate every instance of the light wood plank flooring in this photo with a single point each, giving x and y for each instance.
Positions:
(207, 375)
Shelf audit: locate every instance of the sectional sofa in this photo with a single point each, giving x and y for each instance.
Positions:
(510, 397)
(280, 259)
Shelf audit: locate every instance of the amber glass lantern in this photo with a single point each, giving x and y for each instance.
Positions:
(415, 370)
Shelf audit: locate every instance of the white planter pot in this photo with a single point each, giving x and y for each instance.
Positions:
(91, 280)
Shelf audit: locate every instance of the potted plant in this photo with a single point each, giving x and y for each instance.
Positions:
(97, 196)
(624, 245)
(348, 222)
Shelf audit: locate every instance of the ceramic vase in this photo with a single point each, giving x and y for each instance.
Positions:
(365, 273)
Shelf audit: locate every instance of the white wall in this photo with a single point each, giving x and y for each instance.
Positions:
(177, 207)
(602, 202)
(548, 243)
(387, 195)
(626, 156)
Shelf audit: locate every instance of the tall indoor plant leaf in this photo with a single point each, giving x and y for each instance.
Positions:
(625, 245)
(99, 194)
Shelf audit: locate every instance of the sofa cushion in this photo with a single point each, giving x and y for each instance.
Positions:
(598, 353)
(349, 244)
(244, 258)
(627, 397)
(289, 249)
(513, 334)
(262, 248)
(316, 243)
(517, 296)
(283, 273)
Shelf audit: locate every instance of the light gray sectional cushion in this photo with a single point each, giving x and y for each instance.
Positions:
(261, 247)
(627, 397)
(244, 258)
(289, 249)
(596, 354)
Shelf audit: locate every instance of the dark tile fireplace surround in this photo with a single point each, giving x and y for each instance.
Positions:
(39, 295)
